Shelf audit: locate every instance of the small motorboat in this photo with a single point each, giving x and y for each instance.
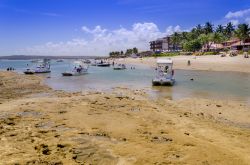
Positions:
(79, 69)
(29, 71)
(120, 67)
(43, 67)
(35, 61)
(105, 64)
(102, 64)
(86, 61)
(59, 60)
(164, 73)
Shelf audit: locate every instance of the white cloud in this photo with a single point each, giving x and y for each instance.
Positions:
(247, 20)
(97, 30)
(103, 41)
(171, 29)
(235, 22)
(237, 17)
(237, 14)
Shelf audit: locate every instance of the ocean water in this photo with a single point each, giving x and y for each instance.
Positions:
(206, 84)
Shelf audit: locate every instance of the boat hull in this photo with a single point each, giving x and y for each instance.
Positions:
(28, 72)
(119, 68)
(35, 72)
(67, 74)
(103, 65)
(163, 82)
(73, 74)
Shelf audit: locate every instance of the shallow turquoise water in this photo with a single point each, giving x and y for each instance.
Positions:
(206, 84)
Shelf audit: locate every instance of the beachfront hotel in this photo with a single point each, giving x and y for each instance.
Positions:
(163, 45)
(232, 44)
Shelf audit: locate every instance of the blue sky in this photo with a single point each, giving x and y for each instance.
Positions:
(95, 27)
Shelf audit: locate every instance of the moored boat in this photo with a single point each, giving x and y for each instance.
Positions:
(120, 67)
(43, 67)
(79, 69)
(103, 64)
(164, 73)
(59, 60)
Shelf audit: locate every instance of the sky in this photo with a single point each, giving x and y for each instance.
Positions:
(96, 27)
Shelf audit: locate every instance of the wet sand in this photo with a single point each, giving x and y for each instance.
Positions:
(42, 126)
(210, 62)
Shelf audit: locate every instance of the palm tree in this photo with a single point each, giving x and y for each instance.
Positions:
(176, 39)
(208, 28)
(135, 50)
(220, 29)
(204, 40)
(184, 35)
(193, 34)
(243, 33)
(199, 29)
(217, 38)
(229, 30)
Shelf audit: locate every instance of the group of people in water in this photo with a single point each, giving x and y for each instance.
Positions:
(78, 69)
(10, 69)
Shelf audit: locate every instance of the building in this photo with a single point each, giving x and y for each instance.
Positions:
(212, 47)
(163, 45)
(237, 44)
(233, 44)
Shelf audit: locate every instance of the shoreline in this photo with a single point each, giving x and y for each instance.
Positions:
(123, 126)
(200, 63)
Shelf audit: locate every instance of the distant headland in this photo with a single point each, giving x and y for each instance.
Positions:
(30, 57)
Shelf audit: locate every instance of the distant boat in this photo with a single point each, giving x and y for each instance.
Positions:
(35, 61)
(86, 61)
(103, 64)
(59, 60)
(79, 69)
(42, 67)
(120, 67)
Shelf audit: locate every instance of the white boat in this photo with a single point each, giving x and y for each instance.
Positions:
(164, 73)
(86, 61)
(61, 60)
(42, 67)
(78, 69)
(120, 67)
(103, 64)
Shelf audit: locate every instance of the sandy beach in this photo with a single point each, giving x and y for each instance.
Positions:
(43, 126)
(210, 62)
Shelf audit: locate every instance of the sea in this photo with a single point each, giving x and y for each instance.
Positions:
(233, 86)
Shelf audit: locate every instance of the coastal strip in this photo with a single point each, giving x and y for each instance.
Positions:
(42, 126)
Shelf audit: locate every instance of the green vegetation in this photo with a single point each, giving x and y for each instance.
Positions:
(241, 52)
(209, 53)
(166, 54)
(118, 54)
(207, 34)
(243, 32)
(199, 37)
(192, 46)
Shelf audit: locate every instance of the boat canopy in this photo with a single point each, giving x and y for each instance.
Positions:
(164, 61)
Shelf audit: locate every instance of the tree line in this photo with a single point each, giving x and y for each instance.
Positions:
(205, 35)
(121, 53)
